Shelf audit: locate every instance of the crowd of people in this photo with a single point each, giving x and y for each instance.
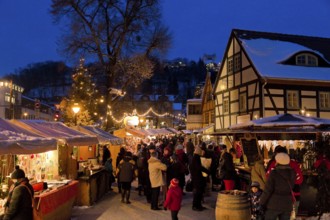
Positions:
(162, 166)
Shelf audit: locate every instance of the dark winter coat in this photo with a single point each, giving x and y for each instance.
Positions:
(227, 166)
(173, 198)
(277, 194)
(196, 170)
(20, 202)
(126, 171)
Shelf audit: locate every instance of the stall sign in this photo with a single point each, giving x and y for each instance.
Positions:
(250, 150)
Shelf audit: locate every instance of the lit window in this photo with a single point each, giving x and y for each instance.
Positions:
(324, 100)
(292, 99)
(306, 60)
(225, 106)
(242, 102)
(7, 98)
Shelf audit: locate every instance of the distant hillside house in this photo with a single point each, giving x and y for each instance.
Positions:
(265, 74)
(10, 100)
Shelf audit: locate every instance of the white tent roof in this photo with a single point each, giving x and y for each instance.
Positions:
(62, 133)
(285, 120)
(16, 140)
(102, 136)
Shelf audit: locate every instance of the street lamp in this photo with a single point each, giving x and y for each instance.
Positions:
(75, 109)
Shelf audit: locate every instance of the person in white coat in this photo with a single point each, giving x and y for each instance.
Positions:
(156, 167)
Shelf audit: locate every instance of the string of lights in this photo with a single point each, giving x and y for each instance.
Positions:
(134, 112)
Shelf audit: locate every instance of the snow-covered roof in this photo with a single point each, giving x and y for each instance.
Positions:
(16, 140)
(62, 133)
(268, 50)
(284, 120)
(102, 136)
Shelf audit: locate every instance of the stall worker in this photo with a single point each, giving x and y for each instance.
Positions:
(19, 201)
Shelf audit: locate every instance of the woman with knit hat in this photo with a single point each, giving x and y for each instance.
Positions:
(173, 198)
(277, 197)
(19, 201)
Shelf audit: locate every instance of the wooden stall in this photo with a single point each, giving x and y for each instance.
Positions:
(295, 132)
(93, 185)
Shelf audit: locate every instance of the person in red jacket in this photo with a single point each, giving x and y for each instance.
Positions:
(173, 199)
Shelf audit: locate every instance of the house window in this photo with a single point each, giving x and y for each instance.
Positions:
(206, 118)
(7, 98)
(225, 106)
(324, 100)
(242, 102)
(306, 60)
(237, 62)
(195, 109)
(292, 99)
(230, 65)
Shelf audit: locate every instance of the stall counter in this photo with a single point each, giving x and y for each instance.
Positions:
(57, 203)
(93, 187)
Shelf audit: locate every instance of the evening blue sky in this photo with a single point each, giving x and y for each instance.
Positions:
(27, 34)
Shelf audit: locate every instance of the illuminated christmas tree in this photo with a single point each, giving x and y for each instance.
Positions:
(83, 95)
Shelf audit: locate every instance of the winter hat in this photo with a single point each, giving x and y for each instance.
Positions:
(198, 150)
(255, 184)
(282, 158)
(17, 173)
(174, 182)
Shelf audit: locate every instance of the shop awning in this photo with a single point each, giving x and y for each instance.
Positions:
(62, 133)
(16, 140)
(102, 136)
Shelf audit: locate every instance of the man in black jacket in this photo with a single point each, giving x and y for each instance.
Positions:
(198, 180)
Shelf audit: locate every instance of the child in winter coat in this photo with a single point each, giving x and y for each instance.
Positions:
(255, 193)
(173, 198)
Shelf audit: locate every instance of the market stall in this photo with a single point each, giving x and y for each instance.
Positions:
(16, 141)
(72, 145)
(93, 187)
(297, 133)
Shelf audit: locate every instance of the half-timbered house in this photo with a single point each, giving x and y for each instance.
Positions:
(265, 74)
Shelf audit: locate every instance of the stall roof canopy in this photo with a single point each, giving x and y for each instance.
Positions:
(155, 132)
(16, 140)
(103, 136)
(282, 126)
(291, 121)
(62, 133)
